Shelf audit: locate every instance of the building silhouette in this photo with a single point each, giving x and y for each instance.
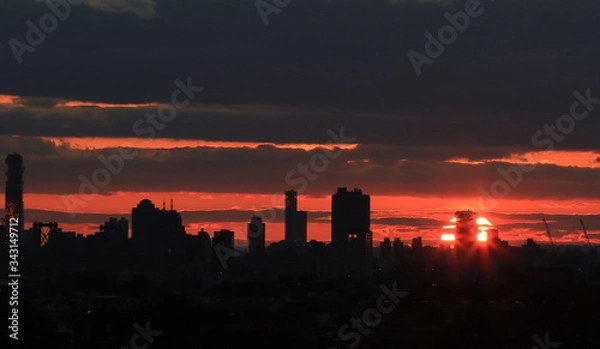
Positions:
(417, 243)
(77, 284)
(13, 196)
(398, 248)
(156, 230)
(61, 241)
(350, 216)
(256, 235)
(467, 229)
(204, 246)
(385, 252)
(531, 245)
(224, 238)
(493, 234)
(117, 230)
(295, 221)
(351, 237)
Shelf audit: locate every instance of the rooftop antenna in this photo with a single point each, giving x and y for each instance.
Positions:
(163, 202)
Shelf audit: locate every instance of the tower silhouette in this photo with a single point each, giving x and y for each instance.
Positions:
(295, 221)
(351, 235)
(14, 193)
(256, 235)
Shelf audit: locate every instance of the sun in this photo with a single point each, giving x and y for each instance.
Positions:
(468, 220)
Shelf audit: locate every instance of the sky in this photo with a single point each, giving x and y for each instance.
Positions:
(502, 118)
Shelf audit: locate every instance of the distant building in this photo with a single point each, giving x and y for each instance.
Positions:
(350, 216)
(466, 228)
(417, 243)
(256, 235)
(398, 248)
(205, 246)
(114, 229)
(224, 238)
(531, 244)
(385, 251)
(59, 240)
(351, 236)
(155, 230)
(295, 221)
(492, 234)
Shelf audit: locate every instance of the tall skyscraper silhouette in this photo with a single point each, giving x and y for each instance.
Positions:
(398, 247)
(295, 221)
(351, 235)
(224, 237)
(385, 252)
(14, 193)
(153, 229)
(205, 246)
(256, 235)
(350, 216)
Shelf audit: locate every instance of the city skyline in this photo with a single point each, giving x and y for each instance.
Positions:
(290, 174)
(273, 218)
(198, 126)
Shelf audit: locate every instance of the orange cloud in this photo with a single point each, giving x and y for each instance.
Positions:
(84, 143)
(584, 159)
(75, 104)
(8, 99)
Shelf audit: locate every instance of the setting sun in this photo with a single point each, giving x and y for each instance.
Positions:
(458, 221)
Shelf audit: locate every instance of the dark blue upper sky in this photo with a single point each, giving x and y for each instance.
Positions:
(521, 55)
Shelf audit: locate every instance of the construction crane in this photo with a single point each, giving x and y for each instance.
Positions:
(548, 231)
(585, 232)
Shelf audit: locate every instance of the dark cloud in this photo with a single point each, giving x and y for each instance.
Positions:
(560, 224)
(449, 133)
(420, 223)
(319, 65)
(525, 55)
(267, 169)
(512, 71)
